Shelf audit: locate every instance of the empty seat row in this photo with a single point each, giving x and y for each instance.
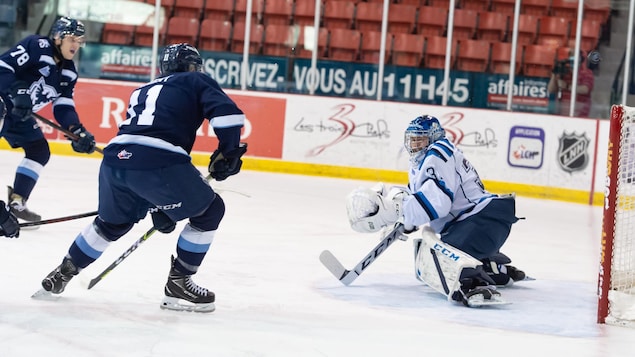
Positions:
(349, 45)
(490, 26)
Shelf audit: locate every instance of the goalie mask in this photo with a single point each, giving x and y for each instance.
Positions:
(180, 58)
(421, 133)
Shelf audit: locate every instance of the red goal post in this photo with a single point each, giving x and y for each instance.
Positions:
(616, 278)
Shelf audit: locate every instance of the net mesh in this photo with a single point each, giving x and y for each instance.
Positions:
(622, 291)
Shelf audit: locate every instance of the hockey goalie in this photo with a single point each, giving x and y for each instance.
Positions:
(464, 226)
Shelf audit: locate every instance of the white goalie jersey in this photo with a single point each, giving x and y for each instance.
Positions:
(444, 188)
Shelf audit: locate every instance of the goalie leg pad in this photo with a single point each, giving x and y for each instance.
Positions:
(440, 265)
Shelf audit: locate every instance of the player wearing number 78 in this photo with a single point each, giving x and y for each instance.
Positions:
(147, 167)
(36, 71)
(446, 193)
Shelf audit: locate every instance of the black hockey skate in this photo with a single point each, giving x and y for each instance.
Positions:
(18, 207)
(499, 270)
(56, 281)
(182, 294)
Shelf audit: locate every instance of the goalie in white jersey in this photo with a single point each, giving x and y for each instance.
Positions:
(445, 191)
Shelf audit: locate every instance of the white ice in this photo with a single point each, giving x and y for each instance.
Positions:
(274, 298)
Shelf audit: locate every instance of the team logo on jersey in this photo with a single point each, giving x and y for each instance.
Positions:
(573, 152)
(124, 155)
(42, 94)
(43, 43)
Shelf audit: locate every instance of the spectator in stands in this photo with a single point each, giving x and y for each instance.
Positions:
(560, 86)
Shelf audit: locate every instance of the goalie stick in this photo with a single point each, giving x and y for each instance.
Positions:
(346, 276)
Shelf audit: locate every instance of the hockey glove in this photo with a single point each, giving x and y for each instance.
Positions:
(9, 225)
(162, 222)
(21, 99)
(85, 142)
(223, 165)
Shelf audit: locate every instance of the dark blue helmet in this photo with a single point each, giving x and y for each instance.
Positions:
(178, 58)
(423, 127)
(67, 26)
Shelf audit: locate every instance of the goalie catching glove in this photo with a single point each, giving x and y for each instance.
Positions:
(371, 209)
(223, 165)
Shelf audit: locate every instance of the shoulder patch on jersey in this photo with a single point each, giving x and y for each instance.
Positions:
(45, 71)
(43, 43)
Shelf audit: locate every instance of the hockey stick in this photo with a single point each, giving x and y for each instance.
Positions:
(66, 132)
(59, 219)
(348, 276)
(125, 254)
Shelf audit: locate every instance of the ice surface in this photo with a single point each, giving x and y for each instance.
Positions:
(274, 298)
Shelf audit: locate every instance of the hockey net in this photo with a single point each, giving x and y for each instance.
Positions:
(616, 278)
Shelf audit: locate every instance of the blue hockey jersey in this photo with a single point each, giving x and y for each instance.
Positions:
(32, 61)
(163, 117)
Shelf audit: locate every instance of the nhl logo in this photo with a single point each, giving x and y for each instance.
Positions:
(573, 152)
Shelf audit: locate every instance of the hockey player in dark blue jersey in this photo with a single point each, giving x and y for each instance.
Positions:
(147, 167)
(37, 71)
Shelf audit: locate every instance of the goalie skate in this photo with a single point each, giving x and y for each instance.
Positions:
(480, 296)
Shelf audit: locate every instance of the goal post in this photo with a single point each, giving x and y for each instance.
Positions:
(616, 277)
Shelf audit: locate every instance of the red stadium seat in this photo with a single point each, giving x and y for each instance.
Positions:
(144, 34)
(278, 40)
(302, 51)
(368, 16)
(188, 8)
(492, 26)
(432, 21)
(564, 8)
(304, 13)
(473, 56)
(256, 36)
(535, 7)
(527, 29)
(407, 49)
(218, 10)
(182, 29)
(117, 34)
(344, 44)
(215, 35)
(240, 11)
(338, 14)
(371, 45)
(464, 23)
(553, 31)
(538, 60)
(435, 52)
(401, 18)
(279, 12)
(503, 6)
(500, 61)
